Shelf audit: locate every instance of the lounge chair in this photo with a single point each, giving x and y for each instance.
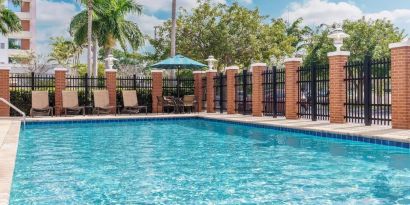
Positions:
(130, 100)
(189, 101)
(40, 104)
(165, 102)
(70, 103)
(102, 102)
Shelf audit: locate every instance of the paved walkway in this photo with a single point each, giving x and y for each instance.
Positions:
(10, 128)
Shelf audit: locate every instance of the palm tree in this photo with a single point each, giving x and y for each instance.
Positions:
(109, 25)
(9, 21)
(89, 4)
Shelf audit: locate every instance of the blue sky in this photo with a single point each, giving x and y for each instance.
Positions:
(53, 16)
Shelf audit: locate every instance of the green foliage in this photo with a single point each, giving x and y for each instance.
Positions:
(9, 21)
(82, 69)
(63, 51)
(233, 34)
(109, 25)
(367, 37)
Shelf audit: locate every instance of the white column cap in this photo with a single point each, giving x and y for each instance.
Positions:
(234, 67)
(5, 68)
(258, 65)
(156, 71)
(110, 70)
(198, 72)
(293, 60)
(211, 71)
(405, 43)
(60, 69)
(338, 53)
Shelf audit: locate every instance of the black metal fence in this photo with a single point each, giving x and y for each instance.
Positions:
(313, 87)
(85, 85)
(21, 86)
(368, 91)
(143, 86)
(220, 92)
(243, 92)
(204, 93)
(274, 92)
(177, 87)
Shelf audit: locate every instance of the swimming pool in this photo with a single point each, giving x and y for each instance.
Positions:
(196, 161)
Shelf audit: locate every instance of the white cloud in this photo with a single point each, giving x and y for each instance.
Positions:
(315, 12)
(146, 23)
(53, 19)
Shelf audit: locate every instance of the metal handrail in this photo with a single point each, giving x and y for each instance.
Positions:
(17, 110)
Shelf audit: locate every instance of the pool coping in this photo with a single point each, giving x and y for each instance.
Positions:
(9, 143)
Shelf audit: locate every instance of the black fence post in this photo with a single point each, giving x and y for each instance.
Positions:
(367, 91)
(32, 80)
(134, 77)
(313, 93)
(221, 92)
(274, 92)
(86, 90)
(244, 90)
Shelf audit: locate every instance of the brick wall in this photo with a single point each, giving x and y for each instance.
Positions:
(210, 92)
(291, 87)
(337, 86)
(257, 89)
(230, 87)
(111, 85)
(156, 89)
(4, 91)
(60, 78)
(400, 82)
(198, 88)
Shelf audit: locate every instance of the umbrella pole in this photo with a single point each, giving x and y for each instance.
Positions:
(178, 82)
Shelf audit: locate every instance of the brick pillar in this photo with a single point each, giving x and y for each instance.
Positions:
(291, 87)
(111, 85)
(198, 88)
(4, 91)
(210, 92)
(60, 79)
(400, 82)
(257, 89)
(230, 88)
(337, 86)
(156, 89)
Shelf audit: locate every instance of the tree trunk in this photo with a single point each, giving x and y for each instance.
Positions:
(89, 36)
(107, 52)
(95, 55)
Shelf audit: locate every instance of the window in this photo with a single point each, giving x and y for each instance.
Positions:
(13, 7)
(14, 43)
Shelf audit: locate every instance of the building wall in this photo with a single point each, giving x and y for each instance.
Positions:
(26, 38)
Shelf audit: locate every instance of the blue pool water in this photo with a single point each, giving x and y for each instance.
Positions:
(202, 162)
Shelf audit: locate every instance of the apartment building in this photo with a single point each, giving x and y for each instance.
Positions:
(21, 43)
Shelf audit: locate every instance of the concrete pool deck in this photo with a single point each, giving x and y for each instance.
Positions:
(10, 129)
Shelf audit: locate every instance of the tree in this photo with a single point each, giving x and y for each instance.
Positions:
(9, 21)
(129, 63)
(32, 62)
(233, 34)
(367, 37)
(64, 51)
(110, 25)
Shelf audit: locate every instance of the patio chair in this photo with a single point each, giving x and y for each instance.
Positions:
(40, 104)
(130, 100)
(189, 102)
(70, 103)
(165, 102)
(102, 102)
